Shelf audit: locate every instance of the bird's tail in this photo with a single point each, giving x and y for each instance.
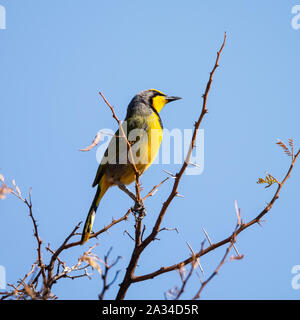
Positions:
(87, 229)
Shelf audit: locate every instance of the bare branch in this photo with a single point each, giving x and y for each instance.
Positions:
(107, 267)
(229, 239)
(154, 189)
(94, 143)
(141, 245)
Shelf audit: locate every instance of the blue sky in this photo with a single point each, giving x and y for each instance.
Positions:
(56, 55)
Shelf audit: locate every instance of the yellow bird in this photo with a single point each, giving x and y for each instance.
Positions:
(143, 128)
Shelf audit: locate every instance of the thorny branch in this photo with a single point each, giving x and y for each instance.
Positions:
(129, 277)
(39, 269)
(243, 226)
(237, 257)
(176, 293)
(29, 287)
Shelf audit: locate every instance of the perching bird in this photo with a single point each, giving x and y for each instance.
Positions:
(143, 128)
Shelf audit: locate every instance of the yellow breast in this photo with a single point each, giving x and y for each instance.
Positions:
(155, 134)
(146, 150)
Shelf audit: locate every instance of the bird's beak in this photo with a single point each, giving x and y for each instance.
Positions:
(170, 99)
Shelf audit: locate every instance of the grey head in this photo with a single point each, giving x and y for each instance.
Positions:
(143, 103)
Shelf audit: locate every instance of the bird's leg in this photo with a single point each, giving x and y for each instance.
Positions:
(139, 207)
(126, 190)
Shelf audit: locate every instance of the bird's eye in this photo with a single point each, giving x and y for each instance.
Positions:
(157, 93)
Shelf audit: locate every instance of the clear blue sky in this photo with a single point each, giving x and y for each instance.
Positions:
(56, 55)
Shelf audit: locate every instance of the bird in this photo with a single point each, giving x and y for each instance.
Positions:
(143, 128)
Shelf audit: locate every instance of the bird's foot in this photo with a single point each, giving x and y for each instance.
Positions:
(139, 209)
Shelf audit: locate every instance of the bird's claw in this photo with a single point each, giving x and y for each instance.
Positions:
(139, 210)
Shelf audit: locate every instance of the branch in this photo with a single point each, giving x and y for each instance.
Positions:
(104, 276)
(96, 234)
(141, 245)
(93, 144)
(30, 289)
(154, 189)
(179, 175)
(229, 239)
(203, 284)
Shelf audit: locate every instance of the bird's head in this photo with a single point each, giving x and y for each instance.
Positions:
(156, 99)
